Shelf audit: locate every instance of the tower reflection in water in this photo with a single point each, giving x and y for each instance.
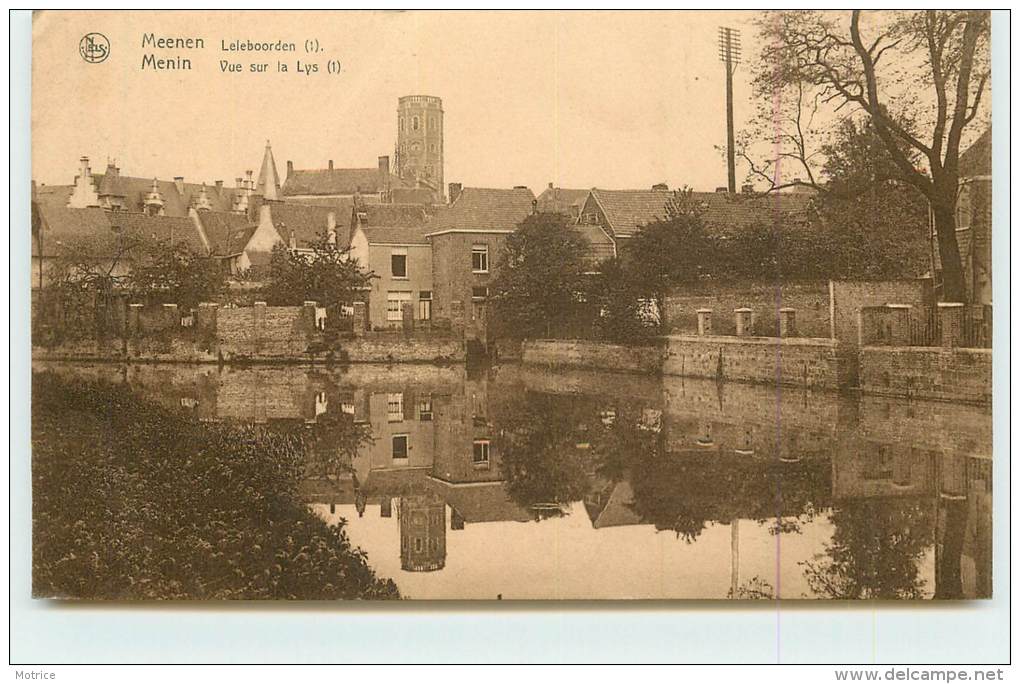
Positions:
(596, 485)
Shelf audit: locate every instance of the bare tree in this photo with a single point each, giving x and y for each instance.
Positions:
(919, 77)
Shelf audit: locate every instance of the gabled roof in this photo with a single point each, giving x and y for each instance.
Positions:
(977, 159)
(396, 235)
(394, 214)
(629, 210)
(336, 181)
(485, 209)
(561, 200)
(617, 511)
(308, 222)
(228, 233)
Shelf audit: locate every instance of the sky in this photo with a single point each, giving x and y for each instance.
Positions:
(581, 99)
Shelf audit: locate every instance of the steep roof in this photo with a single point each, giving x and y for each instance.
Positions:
(228, 233)
(175, 201)
(61, 228)
(336, 181)
(268, 184)
(629, 210)
(394, 214)
(176, 229)
(480, 502)
(309, 222)
(396, 235)
(561, 200)
(977, 159)
(485, 209)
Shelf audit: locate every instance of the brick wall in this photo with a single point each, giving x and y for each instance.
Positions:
(452, 275)
(801, 362)
(811, 300)
(265, 331)
(848, 297)
(927, 372)
(584, 354)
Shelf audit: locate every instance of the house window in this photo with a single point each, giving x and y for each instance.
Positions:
(591, 218)
(394, 305)
(479, 292)
(480, 259)
(425, 410)
(425, 305)
(398, 262)
(399, 447)
(480, 457)
(395, 407)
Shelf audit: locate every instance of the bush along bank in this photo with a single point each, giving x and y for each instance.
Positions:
(152, 506)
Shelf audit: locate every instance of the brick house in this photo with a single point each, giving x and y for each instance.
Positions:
(391, 241)
(974, 218)
(468, 240)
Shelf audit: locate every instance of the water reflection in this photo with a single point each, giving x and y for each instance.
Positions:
(523, 483)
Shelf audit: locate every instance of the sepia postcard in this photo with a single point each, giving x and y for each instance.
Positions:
(494, 305)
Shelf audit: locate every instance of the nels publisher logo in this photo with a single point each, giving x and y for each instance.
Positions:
(94, 48)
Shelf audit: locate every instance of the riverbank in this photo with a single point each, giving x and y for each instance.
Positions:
(154, 506)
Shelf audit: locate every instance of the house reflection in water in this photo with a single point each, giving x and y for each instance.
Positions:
(869, 497)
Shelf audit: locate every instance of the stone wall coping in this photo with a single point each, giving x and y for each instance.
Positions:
(980, 351)
(948, 305)
(786, 309)
(257, 304)
(733, 339)
(898, 306)
(136, 306)
(703, 311)
(742, 309)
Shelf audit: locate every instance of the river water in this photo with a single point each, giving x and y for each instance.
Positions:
(522, 483)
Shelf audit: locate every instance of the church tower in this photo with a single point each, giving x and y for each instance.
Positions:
(420, 141)
(422, 519)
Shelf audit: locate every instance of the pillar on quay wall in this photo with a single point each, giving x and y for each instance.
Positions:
(704, 322)
(134, 320)
(360, 318)
(205, 318)
(787, 322)
(171, 317)
(407, 316)
(898, 324)
(457, 317)
(742, 317)
(951, 323)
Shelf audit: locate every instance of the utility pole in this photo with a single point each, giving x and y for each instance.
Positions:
(729, 54)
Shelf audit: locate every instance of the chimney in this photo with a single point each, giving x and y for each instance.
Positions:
(219, 185)
(330, 164)
(660, 186)
(722, 188)
(238, 181)
(290, 168)
(293, 238)
(534, 206)
(747, 188)
(384, 167)
(455, 190)
(550, 185)
(249, 182)
(520, 187)
(179, 184)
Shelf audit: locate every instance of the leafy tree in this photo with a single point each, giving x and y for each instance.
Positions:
(615, 294)
(818, 66)
(166, 272)
(542, 280)
(875, 550)
(669, 252)
(325, 273)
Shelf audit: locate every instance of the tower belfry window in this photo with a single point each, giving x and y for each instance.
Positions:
(415, 123)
